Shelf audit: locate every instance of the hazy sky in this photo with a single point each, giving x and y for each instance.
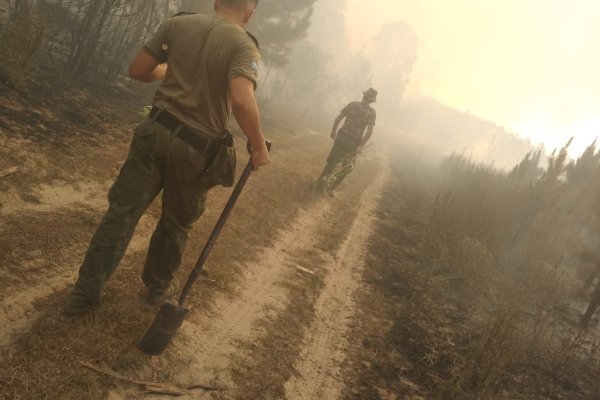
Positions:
(530, 65)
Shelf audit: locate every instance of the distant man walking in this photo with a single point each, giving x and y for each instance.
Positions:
(357, 130)
(183, 148)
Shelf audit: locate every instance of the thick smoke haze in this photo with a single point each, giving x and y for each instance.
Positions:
(522, 67)
(528, 65)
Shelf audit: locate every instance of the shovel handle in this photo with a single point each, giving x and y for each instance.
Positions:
(217, 229)
(249, 146)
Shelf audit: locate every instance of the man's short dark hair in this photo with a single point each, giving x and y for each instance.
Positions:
(239, 3)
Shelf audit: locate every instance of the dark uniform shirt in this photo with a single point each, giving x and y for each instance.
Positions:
(358, 116)
(203, 52)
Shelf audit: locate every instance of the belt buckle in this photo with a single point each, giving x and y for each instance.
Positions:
(154, 113)
(225, 134)
(226, 138)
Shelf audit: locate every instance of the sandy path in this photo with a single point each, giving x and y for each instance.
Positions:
(51, 198)
(318, 368)
(214, 338)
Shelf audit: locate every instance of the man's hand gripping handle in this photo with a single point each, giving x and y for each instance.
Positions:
(260, 154)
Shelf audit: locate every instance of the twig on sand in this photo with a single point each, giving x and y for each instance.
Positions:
(153, 387)
(8, 171)
(308, 271)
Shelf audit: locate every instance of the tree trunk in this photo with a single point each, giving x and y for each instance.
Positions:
(94, 23)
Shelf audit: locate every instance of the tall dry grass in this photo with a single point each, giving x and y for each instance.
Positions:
(469, 290)
(507, 242)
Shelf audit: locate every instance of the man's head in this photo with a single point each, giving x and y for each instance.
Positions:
(370, 96)
(240, 10)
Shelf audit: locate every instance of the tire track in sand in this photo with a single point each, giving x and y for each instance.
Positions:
(318, 371)
(213, 338)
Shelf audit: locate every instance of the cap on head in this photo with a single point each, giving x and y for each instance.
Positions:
(370, 95)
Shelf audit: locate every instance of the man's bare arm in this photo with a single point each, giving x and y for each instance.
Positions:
(368, 135)
(245, 110)
(145, 68)
(336, 125)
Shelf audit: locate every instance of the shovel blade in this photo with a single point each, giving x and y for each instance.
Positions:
(163, 329)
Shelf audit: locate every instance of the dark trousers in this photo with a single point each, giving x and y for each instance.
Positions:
(157, 161)
(340, 162)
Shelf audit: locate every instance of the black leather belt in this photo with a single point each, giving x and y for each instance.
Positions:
(198, 141)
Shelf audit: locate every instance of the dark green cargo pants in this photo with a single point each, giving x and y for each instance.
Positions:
(339, 163)
(158, 160)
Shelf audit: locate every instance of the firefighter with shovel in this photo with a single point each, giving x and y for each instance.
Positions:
(183, 148)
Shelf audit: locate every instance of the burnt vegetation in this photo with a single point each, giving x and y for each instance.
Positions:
(477, 283)
(95, 39)
(480, 283)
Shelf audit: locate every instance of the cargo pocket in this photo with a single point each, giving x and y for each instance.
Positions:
(145, 129)
(222, 169)
(144, 139)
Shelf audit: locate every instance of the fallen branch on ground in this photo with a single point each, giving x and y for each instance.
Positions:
(308, 271)
(153, 387)
(8, 171)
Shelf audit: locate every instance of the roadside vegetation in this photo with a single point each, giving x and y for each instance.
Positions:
(472, 285)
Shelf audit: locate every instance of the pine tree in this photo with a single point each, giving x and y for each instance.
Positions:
(585, 168)
(277, 24)
(528, 169)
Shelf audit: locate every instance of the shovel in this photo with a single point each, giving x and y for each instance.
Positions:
(171, 314)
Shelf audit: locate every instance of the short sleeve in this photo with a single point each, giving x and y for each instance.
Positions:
(372, 118)
(245, 62)
(158, 45)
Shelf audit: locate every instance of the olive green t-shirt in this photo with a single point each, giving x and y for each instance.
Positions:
(358, 115)
(203, 53)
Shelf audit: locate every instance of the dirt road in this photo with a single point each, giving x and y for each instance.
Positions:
(216, 340)
(318, 374)
(269, 321)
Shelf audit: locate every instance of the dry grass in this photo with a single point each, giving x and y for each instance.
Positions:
(465, 295)
(43, 364)
(402, 329)
(28, 253)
